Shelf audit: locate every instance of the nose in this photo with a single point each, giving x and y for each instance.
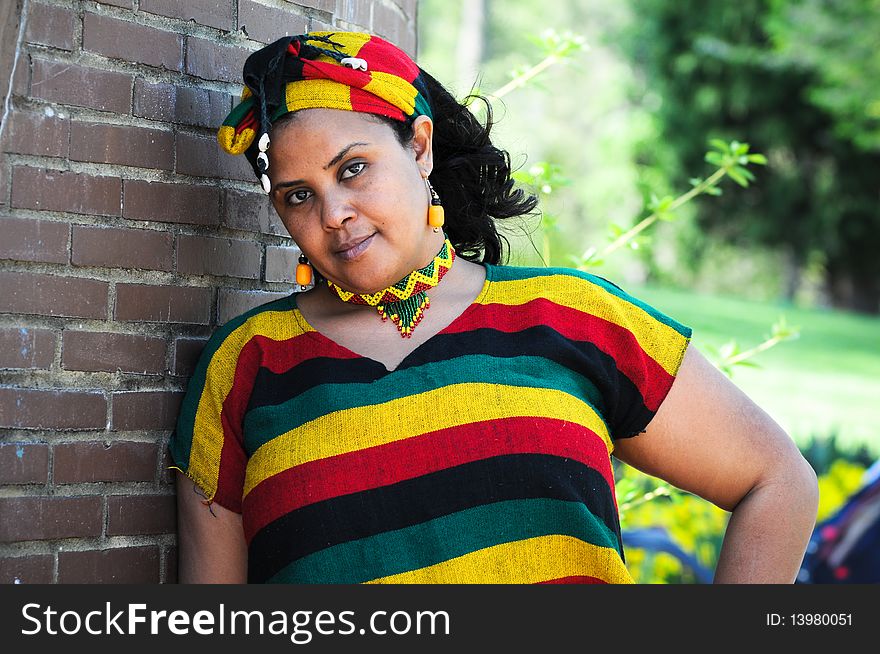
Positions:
(336, 209)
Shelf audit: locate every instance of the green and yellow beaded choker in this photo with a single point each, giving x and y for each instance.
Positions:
(405, 302)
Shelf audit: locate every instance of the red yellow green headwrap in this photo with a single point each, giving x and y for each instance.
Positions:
(331, 70)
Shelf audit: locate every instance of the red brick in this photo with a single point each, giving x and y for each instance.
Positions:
(124, 40)
(119, 565)
(33, 569)
(125, 4)
(25, 239)
(167, 475)
(389, 23)
(224, 257)
(122, 248)
(201, 107)
(48, 518)
(96, 351)
(142, 302)
(172, 203)
(281, 264)
(408, 7)
(316, 25)
(203, 157)
(67, 83)
(154, 101)
(24, 463)
(214, 13)
(251, 212)
(43, 134)
(22, 78)
(85, 462)
(52, 26)
(183, 105)
(186, 355)
(215, 61)
(409, 43)
(23, 408)
(322, 5)
(267, 24)
(145, 410)
(170, 558)
(58, 190)
(48, 295)
(231, 304)
(356, 12)
(23, 347)
(130, 515)
(122, 144)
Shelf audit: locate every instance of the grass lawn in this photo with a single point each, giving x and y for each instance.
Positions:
(826, 381)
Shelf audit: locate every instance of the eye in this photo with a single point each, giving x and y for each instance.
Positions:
(297, 197)
(352, 170)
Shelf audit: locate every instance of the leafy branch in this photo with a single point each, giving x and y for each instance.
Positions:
(556, 47)
(543, 179)
(729, 355)
(731, 160)
(629, 496)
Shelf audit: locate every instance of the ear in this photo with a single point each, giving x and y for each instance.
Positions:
(423, 138)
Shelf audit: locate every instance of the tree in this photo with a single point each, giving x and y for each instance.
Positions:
(750, 70)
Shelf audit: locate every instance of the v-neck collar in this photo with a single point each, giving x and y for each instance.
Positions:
(314, 333)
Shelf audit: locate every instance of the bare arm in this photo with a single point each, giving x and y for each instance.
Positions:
(710, 439)
(210, 542)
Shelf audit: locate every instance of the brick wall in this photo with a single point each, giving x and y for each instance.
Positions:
(126, 236)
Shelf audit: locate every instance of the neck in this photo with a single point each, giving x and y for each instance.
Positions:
(417, 281)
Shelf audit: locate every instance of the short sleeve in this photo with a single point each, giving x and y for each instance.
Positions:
(207, 444)
(642, 352)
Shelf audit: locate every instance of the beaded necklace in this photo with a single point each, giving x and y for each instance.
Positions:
(406, 301)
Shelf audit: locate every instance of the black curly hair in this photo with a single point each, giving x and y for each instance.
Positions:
(471, 175)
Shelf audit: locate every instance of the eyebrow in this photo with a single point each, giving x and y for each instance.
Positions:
(335, 160)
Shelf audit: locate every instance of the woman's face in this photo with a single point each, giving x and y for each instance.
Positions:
(352, 197)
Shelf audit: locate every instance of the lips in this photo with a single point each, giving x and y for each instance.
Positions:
(353, 248)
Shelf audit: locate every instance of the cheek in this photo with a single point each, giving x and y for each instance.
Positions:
(294, 228)
(395, 198)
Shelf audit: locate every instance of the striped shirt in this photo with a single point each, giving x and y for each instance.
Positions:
(484, 457)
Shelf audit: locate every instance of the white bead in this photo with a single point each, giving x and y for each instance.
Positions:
(267, 185)
(263, 144)
(262, 157)
(354, 62)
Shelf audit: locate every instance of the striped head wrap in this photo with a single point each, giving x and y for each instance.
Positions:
(331, 70)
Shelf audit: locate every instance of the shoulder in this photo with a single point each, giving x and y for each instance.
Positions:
(569, 286)
(273, 320)
(550, 280)
(591, 306)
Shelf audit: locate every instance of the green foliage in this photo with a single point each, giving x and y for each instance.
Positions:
(837, 42)
(730, 355)
(697, 525)
(692, 522)
(825, 452)
(837, 485)
(556, 48)
(798, 80)
(827, 381)
(730, 159)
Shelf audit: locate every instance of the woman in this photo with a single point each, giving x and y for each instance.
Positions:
(468, 438)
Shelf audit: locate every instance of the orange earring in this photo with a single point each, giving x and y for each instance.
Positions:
(436, 217)
(303, 272)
